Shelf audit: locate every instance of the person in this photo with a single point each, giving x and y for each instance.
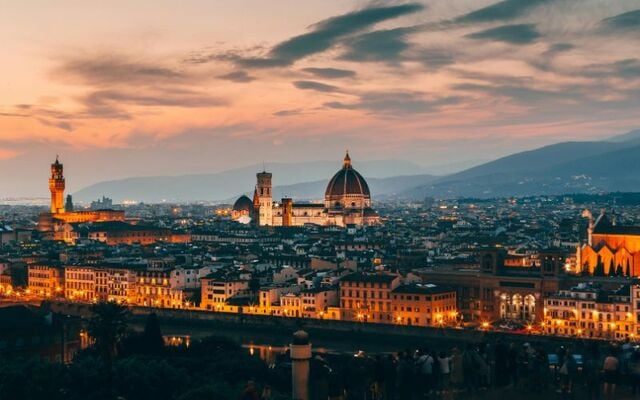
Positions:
(250, 392)
(457, 369)
(404, 374)
(610, 369)
(389, 377)
(266, 393)
(469, 367)
(424, 370)
(483, 367)
(435, 372)
(501, 360)
(566, 372)
(634, 371)
(378, 378)
(444, 369)
(512, 364)
(591, 373)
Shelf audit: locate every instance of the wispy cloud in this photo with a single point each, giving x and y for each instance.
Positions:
(326, 34)
(115, 69)
(317, 86)
(501, 11)
(383, 45)
(628, 21)
(330, 73)
(513, 34)
(395, 103)
(288, 113)
(237, 76)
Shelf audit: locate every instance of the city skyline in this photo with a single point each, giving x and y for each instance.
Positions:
(118, 92)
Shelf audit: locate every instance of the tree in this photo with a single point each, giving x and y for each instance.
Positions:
(619, 271)
(152, 337)
(628, 268)
(108, 326)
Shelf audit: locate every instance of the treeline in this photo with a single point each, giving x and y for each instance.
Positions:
(130, 366)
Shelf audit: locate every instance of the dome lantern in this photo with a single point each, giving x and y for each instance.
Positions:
(347, 161)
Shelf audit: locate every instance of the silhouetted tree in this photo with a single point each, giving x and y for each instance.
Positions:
(152, 340)
(107, 327)
(628, 268)
(619, 271)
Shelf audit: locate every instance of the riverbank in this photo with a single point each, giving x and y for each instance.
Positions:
(344, 336)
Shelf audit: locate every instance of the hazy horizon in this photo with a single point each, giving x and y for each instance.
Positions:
(128, 89)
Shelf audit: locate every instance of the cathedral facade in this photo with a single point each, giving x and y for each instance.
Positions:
(347, 201)
(611, 249)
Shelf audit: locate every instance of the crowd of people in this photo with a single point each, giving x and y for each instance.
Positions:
(530, 370)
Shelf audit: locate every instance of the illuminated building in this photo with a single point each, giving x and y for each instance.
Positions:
(80, 283)
(118, 232)
(316, 302)
(115, 284)
(46, 280)
(493, 291)
(217, 290)
(611, 249)
(54, 221)
(153, 289)
(589, 311)
(367, 297)
(424, 305)
(347, 201)
(56, 187)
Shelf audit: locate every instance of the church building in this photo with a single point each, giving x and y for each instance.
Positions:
(347, 201)
(611, 249)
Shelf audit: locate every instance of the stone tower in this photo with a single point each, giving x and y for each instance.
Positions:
(300, 353)
(264, 200)
(56, 186)
(68, 206)
(287, 211)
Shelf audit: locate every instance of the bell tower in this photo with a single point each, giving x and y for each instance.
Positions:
(56, 186)
(264, 200)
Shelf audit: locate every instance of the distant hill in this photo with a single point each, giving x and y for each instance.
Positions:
(633, 136)
(570, 167)
(310, 176)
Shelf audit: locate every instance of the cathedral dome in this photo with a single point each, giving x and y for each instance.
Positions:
(243, 204)
(346, 185)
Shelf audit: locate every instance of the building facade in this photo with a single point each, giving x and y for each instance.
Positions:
(424, 305)
(54, 221)
(611, 249)
(367, 297)
(347, 201)
(589, 311)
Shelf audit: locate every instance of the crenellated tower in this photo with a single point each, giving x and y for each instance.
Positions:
(264, 200)
(56, 186)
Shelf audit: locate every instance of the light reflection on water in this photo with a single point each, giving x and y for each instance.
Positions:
(267, 353)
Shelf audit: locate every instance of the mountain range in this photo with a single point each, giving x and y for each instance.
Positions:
(568, 167)
(300, 180)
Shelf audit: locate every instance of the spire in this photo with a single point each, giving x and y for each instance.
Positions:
(347, 161)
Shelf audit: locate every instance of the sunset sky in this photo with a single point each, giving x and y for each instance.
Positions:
(136, 88)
